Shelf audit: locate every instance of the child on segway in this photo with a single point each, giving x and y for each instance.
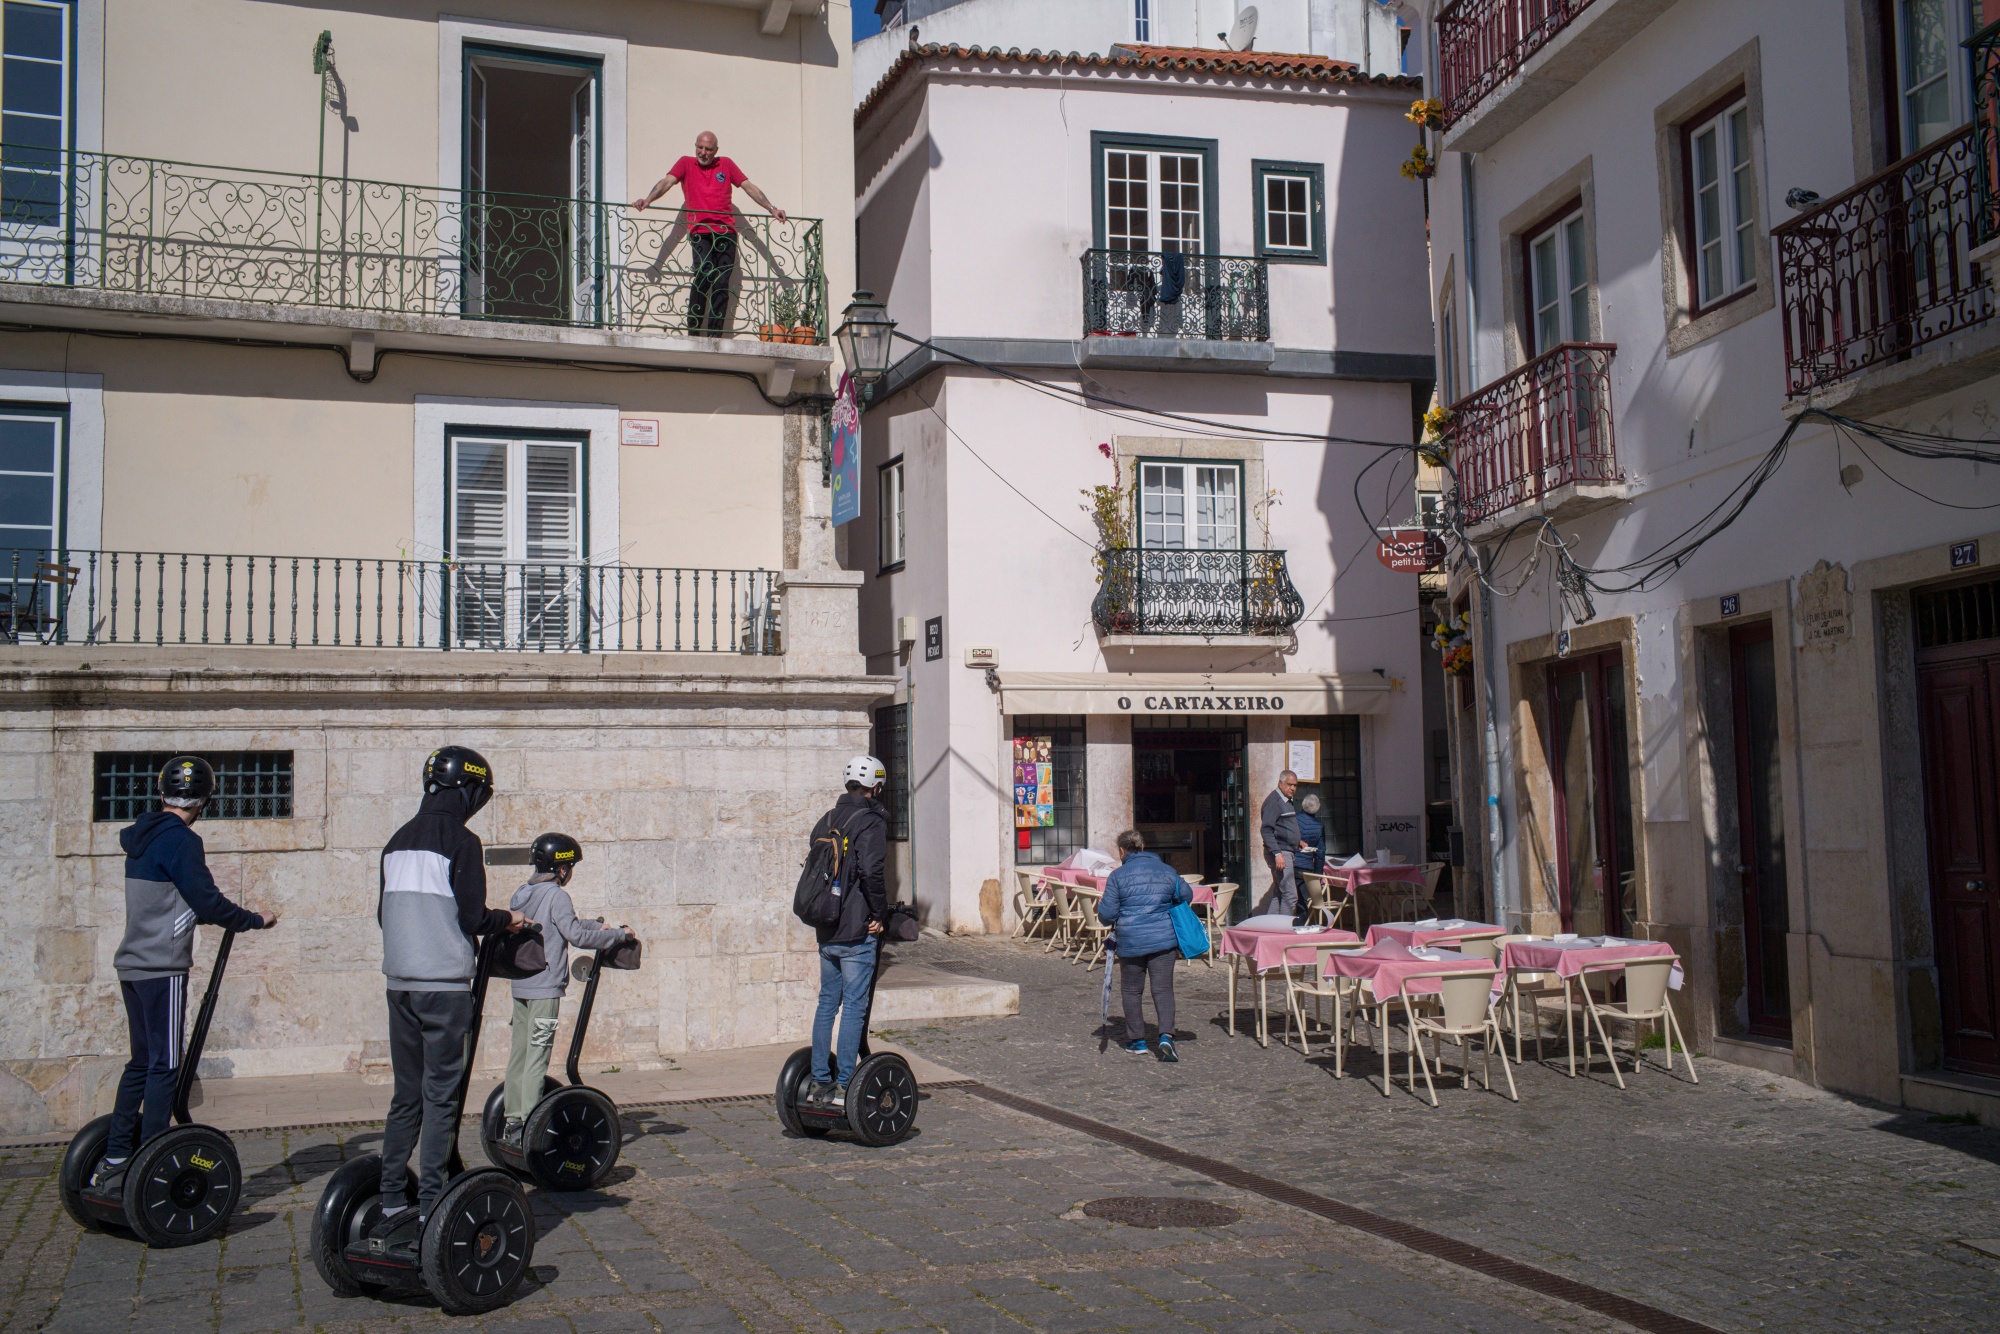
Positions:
(545, 899)
(168, 890)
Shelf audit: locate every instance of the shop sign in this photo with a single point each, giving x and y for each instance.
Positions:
(1203, 703)
(1410, 550)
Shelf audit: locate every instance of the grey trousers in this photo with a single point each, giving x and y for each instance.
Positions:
(1283, 895)
(427, 1032)
(1133, 975)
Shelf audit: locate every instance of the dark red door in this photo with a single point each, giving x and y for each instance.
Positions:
(1760, 822)
(1958, 692)
(1590, 764)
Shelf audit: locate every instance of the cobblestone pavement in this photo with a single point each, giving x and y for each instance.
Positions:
(716, 1221)
(1748, 1202)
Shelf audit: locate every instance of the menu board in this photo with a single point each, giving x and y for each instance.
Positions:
(1034, 782)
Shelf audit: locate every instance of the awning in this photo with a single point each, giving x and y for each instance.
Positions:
(1194, 692)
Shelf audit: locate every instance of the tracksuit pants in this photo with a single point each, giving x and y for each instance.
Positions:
(427, 1033)
(155, 1017)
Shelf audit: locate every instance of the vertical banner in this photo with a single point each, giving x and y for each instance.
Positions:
(846, 448)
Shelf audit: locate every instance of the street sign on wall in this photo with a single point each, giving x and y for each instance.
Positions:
(1410, 550)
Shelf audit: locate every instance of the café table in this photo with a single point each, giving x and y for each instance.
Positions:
(1355, 878)
(1432, 931)
(1384, 965)
(1567, 958)
(1263, 948)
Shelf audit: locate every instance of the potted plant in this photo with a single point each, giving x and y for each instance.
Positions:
(1106, 506)
(788, 307)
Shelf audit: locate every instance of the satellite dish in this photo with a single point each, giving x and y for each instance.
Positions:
(1243, 32)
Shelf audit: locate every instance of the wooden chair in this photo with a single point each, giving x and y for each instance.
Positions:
(1466, 1003)
(1645, 1003)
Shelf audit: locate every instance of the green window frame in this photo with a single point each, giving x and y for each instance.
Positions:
(1266, 173)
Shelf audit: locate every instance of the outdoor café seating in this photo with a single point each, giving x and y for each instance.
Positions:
(1646, 984)
(1033, 902)
(1466, 999)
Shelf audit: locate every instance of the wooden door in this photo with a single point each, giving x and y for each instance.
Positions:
(1957, 698)
(1590, 766)
(1760, 822)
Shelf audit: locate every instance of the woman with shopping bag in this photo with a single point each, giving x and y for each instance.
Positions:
(1140, 901)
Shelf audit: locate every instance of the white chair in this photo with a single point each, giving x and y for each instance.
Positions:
(1032, 902)
(1304, 981)
(1217, 913)
(1646, 982)
(1485, 945)
(1433, 872)
(1092, 933)
(1534, 986)
(1466, 1003)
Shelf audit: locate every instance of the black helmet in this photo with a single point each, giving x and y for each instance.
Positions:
(187, 778)
(555, 852)
(459, 767)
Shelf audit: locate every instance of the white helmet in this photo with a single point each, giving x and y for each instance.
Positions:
(867, 771)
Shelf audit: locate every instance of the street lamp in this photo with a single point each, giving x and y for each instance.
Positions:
(864, 339)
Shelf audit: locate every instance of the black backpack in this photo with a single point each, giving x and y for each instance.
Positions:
(817, 900)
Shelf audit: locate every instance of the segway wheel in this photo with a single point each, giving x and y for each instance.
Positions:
(493, 1123)
(572, 1138)
(347, 1208)
(182, 1186)
(792, 1082)
(882, 1100)
(79, 1162)
(478, 1243)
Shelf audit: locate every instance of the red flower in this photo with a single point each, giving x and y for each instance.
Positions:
(1105, 449)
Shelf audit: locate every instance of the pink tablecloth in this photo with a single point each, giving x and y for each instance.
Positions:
(1203, 895)
(1267, 949)
(1387, 964)
(1409, 933)
(1081, 879)
(1353, 877)
(1567, 958)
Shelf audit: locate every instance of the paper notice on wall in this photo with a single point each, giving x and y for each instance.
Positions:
(1302, 758)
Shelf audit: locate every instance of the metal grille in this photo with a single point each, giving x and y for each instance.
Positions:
(1957, 615)
(249, 784)
(1046, 847)
(892, 747)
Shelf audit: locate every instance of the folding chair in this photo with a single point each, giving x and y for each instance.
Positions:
(1466, 1000)
(1645, 1002)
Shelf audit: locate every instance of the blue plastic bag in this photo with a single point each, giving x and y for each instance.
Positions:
(1189, 933)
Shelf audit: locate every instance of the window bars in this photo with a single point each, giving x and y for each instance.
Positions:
(249, 784)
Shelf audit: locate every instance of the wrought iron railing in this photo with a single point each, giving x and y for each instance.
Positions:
(1176, 296)
(1484, 43)
(175, 599)
(1148, 591)
(146, 227)
(1874, 274)
(1545, 426)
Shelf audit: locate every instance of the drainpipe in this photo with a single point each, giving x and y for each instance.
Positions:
(1367, 53)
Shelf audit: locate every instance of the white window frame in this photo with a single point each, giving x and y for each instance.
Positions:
(1153, 240)
(1725, 257)
(440, 415)
(1305, 214)
(1956, 75)
(1567, 264)
(892, 535)
(1215, 532)
(515, 496)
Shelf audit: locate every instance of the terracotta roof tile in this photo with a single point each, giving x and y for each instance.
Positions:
(1176, 59)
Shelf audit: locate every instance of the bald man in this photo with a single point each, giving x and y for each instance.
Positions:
(706, 180)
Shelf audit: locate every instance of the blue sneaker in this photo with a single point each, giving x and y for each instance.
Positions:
(1136, 1047)
(1166, 1049)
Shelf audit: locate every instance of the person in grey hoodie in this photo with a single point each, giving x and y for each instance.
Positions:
(168, 889)
(545, 899)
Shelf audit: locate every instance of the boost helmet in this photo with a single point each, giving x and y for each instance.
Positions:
(186, 780)
(867, 771)
(556, 852)
(459, 766)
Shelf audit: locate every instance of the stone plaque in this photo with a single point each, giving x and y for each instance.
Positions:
(1825, 610)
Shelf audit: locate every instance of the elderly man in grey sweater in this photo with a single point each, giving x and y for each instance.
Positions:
(1279, 828)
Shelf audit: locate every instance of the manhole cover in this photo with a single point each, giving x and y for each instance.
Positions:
(1161, 1211)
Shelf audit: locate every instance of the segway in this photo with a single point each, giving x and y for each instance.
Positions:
(181, 1186)
(572, 1137)
(476, 1243)
(881, 1098)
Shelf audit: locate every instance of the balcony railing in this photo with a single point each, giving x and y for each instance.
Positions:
(1147, 591)
(1484, 43)
(1176, 296)
(1876, 273)
(1547, 425)
(156, 599)
(143, 227)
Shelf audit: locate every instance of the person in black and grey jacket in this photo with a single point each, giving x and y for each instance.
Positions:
(848, 949)
(168, 889)
(432, 910)
(537, 1000)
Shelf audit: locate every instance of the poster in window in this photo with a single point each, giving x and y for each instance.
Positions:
(1024, 772)
(1025, 794)
(1024, 816)
(1045, 817)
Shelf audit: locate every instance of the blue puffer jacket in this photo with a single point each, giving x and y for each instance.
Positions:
(1136, 901)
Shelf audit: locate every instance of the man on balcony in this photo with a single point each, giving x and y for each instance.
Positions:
(707, 179)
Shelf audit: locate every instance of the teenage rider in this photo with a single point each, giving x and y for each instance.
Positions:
(432, 909)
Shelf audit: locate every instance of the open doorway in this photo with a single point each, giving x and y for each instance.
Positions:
(534, 231)
(1188, 797)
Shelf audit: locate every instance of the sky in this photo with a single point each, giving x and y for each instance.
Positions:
(865, 22)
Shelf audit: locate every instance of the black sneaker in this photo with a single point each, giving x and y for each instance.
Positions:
(1165, 1047)
(512, 1135)
(108, 1181)
(817, 1093)
(839, 1097)
(391, 1228)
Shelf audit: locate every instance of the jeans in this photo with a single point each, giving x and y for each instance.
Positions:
(714, 266)
(427, 1032)
(154, 1010)
(1132, 975)
(845, 975)
(534, 1028)
(1283, 896)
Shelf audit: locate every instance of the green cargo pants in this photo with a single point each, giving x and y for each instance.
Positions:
(528, 1062)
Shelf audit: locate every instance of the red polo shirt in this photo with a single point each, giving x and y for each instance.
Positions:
(708, 192)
